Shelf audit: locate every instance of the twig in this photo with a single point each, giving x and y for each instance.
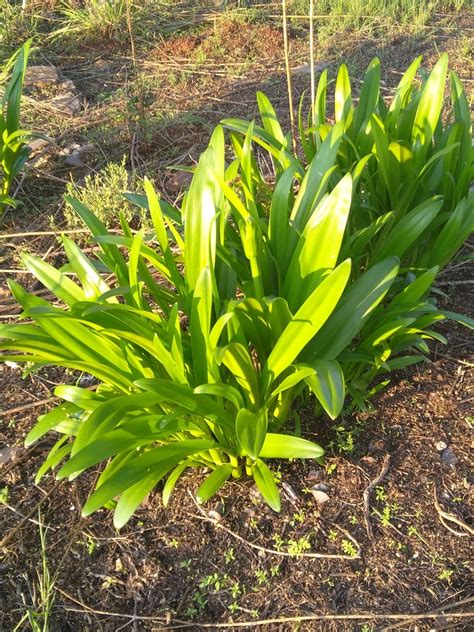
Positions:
(450, 517)
(250, 624)
(311, 60)
(328, 556)
(288, 74)
(20, 409)
(369, 489)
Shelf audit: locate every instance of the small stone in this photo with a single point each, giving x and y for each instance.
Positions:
(38, 143)
(41, 75)
(179, 181)
(320, 487)
(441, 445)
(67, 103)
(215, 515)
(319, 495)
(448, 457)
(8, 454)
(290, 491)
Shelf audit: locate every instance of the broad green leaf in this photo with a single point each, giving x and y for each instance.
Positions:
(200, 324)
(156, 461)
(358, 302)
(429, 108)
(237, 359)
(250, 429)
(213, 483)
(280, 446)
(408, 230)
(307, 321)
(327, 383)
(266, 484)
(60, 284)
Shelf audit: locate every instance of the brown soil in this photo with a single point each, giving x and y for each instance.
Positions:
(182, 567)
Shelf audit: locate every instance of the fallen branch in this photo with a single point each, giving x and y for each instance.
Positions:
(296, 619)
(369, 489)
(258, 547)
(444, 515)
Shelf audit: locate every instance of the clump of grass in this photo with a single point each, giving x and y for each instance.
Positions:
(370, 17)
(103, 191)
(95, 21)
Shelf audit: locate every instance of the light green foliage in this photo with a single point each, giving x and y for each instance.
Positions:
(13, 140)
(371, 17)
(202, 331)
(94, 21)
(103, 191)
(401, 217)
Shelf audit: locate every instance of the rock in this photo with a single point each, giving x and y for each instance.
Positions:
(37, 75)
(67, 103)
(319, 493)
(290, 492)
(9, 454)
(179, 181)
(76, 152)
(38, 143)
(441, 445)
(448, 457)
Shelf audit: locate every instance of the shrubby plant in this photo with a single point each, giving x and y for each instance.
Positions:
(103, 191)
(211, 325)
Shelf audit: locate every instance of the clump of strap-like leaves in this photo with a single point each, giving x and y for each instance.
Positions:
(247, 296)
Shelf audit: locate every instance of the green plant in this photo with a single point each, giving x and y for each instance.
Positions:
(96, 20)
(402, 157)
(14, 149)
(38, 614)
(4, 495)
(183, 381)
(103, 191)
(214, 322)
(408, 197)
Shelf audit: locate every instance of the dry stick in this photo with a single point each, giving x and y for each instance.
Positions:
(20, 409)
(368, 490)
(450, 517)
(288, 74)
(250, 624)
(27, 517)
(311, 60)
(328, 556)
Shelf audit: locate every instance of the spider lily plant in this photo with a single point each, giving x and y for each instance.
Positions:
(13, 140)
(411, 171)
(186, 377)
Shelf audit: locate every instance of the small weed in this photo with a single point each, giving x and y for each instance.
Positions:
(349, 548)
(235, 590)
(233, 607)
(186, 563)
(4, 496)
(298, 517)
(262, 577)
(380, 494)
(229, 555)
(332, 535)
(91, 544)
(275, 570)
(278, 542)
(297, 547)
(38, 614)
(103, 193)
(445, 575)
